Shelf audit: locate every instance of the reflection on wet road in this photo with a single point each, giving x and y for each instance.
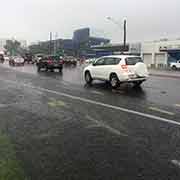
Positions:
(64, 129)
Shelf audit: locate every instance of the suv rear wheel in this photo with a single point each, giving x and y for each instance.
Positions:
(138, 83)
(38, 68)
(174, 68)
(114, 81)
(88, 77)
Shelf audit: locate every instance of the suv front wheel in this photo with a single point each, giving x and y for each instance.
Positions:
(88, 78)
(114, 81)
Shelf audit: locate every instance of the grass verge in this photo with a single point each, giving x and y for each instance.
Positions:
(10, 168)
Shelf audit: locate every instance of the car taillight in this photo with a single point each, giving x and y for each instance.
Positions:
(49, 62)
(61, 62)
(124, 67)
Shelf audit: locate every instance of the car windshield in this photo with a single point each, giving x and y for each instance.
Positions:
(133, 60)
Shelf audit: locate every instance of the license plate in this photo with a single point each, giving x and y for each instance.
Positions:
(56, 65)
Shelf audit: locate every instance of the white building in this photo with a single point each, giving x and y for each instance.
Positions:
(160, 53)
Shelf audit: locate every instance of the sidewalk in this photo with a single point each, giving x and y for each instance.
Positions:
(165, 73)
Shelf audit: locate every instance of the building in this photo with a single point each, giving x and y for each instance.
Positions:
(117, 48)
(83, 41)
(160, 53)
(79, 45)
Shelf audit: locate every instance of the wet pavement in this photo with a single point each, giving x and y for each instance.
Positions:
(64, 129)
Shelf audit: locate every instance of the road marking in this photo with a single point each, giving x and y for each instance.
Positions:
(161, 110)
(176, 163)
(149, 116)
(102, 124)
(177, 105)
(97, 92)
(56, 103)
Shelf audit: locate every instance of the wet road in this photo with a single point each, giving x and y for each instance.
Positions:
(63, 129)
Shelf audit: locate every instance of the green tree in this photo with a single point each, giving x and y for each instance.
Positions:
(13, 47)
(41, 48)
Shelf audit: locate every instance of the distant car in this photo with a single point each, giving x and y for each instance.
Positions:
(175, 65)
(2, 58)
(117, 69)
(50, 63)
(37, 58)
(89, 61)
(28, 58)
(6, 58)
(69, 60)
(16, 61)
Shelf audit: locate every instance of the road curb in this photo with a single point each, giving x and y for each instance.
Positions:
(165, 75)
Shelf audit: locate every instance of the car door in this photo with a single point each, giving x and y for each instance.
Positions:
(97, 68)
(109, 66)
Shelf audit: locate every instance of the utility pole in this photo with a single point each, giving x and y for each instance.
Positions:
(55, 43)
(124, 30)
(124, 34)
(50, 43)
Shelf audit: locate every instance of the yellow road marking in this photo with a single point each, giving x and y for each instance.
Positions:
(161, 110)
(56, 103)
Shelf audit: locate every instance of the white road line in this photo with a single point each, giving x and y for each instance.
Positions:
(102, 124)
(177, 105)
(149, 116)
(161, 110)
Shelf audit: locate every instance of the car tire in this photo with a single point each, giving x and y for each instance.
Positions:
(137, 84)
(174, 68)
(114, 81)
(38, 69)
(88, 77)
(60, 70)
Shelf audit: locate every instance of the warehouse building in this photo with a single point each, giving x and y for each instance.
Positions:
(160, 53)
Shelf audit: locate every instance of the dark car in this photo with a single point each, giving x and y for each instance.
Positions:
(1, 58)
(50, 63)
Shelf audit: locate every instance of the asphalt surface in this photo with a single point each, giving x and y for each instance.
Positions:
(64, 129)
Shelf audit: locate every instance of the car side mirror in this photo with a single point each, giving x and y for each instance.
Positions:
(94, 64)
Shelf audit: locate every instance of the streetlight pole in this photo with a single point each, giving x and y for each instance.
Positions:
(124, 30)
(50, 43)
(124, 34)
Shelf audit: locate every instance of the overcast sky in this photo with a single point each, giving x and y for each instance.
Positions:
(34, 19)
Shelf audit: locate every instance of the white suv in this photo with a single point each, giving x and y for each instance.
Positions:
(117, 69)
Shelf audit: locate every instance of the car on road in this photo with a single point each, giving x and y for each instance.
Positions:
(6, 58)
(70, 60)
(16, 61)
(117, 69)
(2, 58)
(175, 65)
(50, 63)
(89, 61)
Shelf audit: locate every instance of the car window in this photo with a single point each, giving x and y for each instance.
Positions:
(100, 62)
(133, 60)
(111, 61)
